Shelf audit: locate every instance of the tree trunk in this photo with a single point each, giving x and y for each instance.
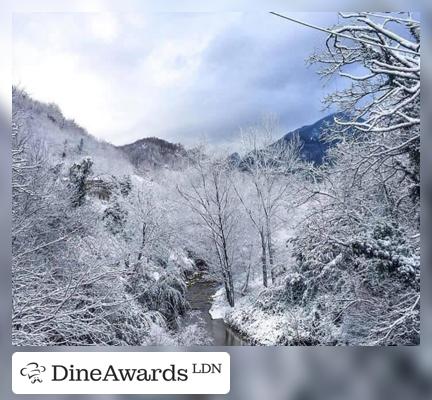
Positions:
(231, 291)
(229, 287)
(246, 284)
(264, 258)
(225, 259)
(226, 272)
(271, 254)
(143, 241)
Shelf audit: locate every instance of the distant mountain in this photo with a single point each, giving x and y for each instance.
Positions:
(314, 146)
(152, 152)
(313, 142)
(69, 142)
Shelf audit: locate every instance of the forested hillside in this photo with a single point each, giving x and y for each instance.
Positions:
(95, 257)
(312, 238)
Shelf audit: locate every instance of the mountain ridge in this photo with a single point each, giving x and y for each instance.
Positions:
(151, 152)
(314, 145)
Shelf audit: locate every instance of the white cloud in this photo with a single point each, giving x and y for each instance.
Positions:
(175, 61)
(58, 77)
(104, 26)
(177, 76)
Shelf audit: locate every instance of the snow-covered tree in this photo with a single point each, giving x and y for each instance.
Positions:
(267, 167)
(379, 55)
(358, 248)
(210, 195)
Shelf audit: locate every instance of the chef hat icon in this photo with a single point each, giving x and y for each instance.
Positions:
(32, 371)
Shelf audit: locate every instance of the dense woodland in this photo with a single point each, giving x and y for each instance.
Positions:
(306, 253)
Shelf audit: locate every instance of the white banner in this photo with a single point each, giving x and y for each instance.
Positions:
(120, 373)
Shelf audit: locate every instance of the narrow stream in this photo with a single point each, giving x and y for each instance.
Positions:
(199, 295)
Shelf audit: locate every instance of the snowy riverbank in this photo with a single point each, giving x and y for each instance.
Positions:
(261, 324)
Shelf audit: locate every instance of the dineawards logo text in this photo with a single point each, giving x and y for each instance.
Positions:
(73, 374)
(121, 372)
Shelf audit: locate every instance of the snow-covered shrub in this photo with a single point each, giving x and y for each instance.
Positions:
(168, 297)
(79, 174)
(115, 218)
(388, 253)
(294, 288)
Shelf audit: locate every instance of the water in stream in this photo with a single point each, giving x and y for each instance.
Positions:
(199, 295)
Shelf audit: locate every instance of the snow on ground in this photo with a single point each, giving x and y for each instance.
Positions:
(258, 326)
(262, 327)
(220, 305)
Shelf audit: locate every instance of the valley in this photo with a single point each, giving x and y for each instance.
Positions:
(262, 235)
(151, 243)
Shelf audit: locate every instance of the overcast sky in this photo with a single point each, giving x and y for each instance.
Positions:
(179, 76)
